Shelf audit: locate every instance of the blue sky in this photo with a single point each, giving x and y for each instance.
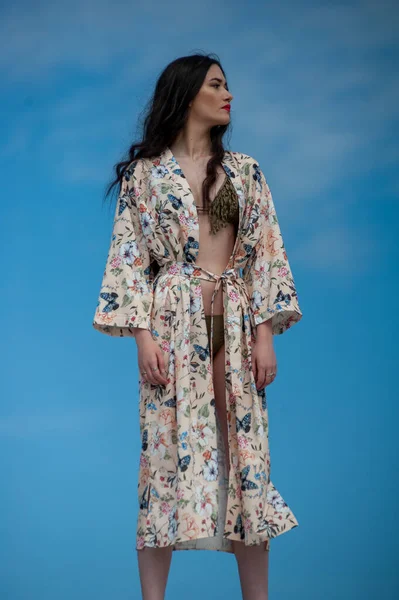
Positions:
(316, 98)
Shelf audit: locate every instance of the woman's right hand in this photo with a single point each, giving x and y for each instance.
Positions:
(150, 357)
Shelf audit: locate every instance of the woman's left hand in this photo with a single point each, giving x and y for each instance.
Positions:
(263, 362)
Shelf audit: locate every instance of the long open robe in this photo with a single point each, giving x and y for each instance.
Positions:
(185, 496)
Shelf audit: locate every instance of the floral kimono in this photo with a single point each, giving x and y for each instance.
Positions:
(186, 498)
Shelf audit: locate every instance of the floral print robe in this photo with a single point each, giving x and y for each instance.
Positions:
(151, 280)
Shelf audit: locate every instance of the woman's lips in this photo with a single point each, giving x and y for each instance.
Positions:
(226, 108)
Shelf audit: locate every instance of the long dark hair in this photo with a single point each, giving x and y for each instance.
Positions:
(166, 114)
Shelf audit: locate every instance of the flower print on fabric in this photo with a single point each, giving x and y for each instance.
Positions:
(185, 496)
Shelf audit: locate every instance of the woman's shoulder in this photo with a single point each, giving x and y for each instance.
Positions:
(139, 167)
(244, 158)
(247, 165)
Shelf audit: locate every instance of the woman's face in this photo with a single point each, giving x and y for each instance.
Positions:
(208, 104)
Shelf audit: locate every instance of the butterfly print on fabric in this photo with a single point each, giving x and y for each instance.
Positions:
(238, 527)
(144, 498)
(245, 423)
(154, 281)
(144, 442)
(184, 462)
(122, 205)
(246, 484)
(109, 297)
(191, 243)
(282, 298)
(202, 352)
(171, 402)
(176, 202)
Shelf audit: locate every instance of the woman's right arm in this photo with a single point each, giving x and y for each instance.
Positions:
(126, 295)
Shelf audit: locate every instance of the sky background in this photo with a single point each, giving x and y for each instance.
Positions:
(316, 97)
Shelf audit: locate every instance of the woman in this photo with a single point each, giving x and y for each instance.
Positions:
(197, 273)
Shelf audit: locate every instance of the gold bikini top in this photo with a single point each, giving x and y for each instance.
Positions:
(224, 208)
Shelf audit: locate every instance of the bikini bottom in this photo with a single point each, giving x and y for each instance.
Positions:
(218, 331)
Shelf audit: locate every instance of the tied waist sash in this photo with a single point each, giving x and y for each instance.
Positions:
(229, 277)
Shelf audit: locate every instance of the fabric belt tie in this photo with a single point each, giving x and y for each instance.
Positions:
(189, 270)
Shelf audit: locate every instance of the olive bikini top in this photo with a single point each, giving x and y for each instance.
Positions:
(224, 208)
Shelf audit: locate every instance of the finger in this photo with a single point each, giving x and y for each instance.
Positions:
(254, 369)
(269, 375)
(157, 377)
(263, 383)
(151, 375)
(162, 368)
(254, 365)
(260, 378)
(143, 376)
(160, 374)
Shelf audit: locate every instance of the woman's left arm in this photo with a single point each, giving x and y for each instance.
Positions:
(270, 283)
(267, 273)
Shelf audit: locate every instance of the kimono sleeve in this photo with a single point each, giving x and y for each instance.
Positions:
(267, 273)
(126, 293)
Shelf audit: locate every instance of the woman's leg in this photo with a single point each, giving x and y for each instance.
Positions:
(219, 382)
(154, 566)
(253, 569)
(252, 561)
(154, 563)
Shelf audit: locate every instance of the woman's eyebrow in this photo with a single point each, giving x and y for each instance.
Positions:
(218, 79)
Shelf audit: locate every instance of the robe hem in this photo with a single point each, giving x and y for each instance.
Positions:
(224, 547)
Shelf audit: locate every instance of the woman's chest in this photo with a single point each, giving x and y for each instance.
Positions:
(175, 226)
(195, 175)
